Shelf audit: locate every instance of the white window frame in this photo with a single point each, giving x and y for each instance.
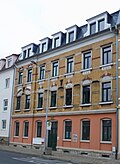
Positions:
(53, 70)
(5, 107)
(7, 82)
(41, 66)
(101, 131)
(15, 129)
(4, 121)
(24, 129)
(83, 54)
(72, 65)
(69, 30)
(81, 130)
(64, 131)
(37, 129)
(103, 80)
(101, 56)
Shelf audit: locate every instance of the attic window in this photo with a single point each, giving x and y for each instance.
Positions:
(101, 25)
(56, 42)
(92, 28)
(9, 62)
(29, 52)
(44, 47)
(71, 36)
(24, 54)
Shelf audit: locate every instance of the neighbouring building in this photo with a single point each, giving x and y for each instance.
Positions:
(73, 78)
(6, 95)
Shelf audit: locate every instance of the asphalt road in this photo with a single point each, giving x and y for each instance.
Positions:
(17, 158)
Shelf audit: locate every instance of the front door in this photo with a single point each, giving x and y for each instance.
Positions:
(52, 136)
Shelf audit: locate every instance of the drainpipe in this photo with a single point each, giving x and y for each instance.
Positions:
(12, 98)
(117, 92)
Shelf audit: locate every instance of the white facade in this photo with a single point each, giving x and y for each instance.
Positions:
(6, 95)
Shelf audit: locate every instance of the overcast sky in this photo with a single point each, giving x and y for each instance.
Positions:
(28, 21)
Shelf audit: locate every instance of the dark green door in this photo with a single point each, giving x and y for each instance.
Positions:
(52, 136)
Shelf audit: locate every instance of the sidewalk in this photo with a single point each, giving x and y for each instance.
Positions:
(72, 158)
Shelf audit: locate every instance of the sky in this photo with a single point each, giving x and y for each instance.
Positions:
(27, 21)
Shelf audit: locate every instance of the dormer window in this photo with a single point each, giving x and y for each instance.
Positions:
(92, 28)
(44, 47)
(29, 50)
(101, 25)
(98, 23)
(56, 42)
(71, 33)
(9, 62)
(71, 36)
(24, 54)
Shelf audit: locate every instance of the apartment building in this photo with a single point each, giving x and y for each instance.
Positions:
(72, 79)
(6, 95)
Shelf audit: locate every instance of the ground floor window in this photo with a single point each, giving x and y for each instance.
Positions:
(68, 129)
(26, 128)
(38, 128)
(86, 130)
(106, 129)
(17, 128)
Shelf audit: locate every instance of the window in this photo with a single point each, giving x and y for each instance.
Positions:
(87, 60)
(3, 124)
(9, 62)
(7, 83)
(42, 72)
(53, 98)
(24, 54)
(38, 128)
(92, 28)
(17, 124)
(71, 36)
(106, 55)
(85, 130)
(70, 65)
(106, 130)
(18, 103)
(56, 42)
(29, 77)
(40, 100)
(20, 77)
(55, 69)
(29, 52)
(68, 129)
(86, 94)
(69, 96)
(5, 104)
(106, 91)
(101, 25)
(43, 47)
(26, 128)
(27, 102)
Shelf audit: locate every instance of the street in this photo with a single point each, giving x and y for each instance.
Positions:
(17, 158)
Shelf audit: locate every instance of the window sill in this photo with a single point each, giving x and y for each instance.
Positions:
(52, 107)
(39, 108)
(105, 142)
(106, 66)
(17, 110)
(87, 141)
(54, 78)
(16, 136)
(106, 103)
(67, 140)
(41, 81)
(19, 85)
(86, 70)
(67, 106)
(28, 83)
(25, 137)
(69, 74)
(26, 110)
(82, 105)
